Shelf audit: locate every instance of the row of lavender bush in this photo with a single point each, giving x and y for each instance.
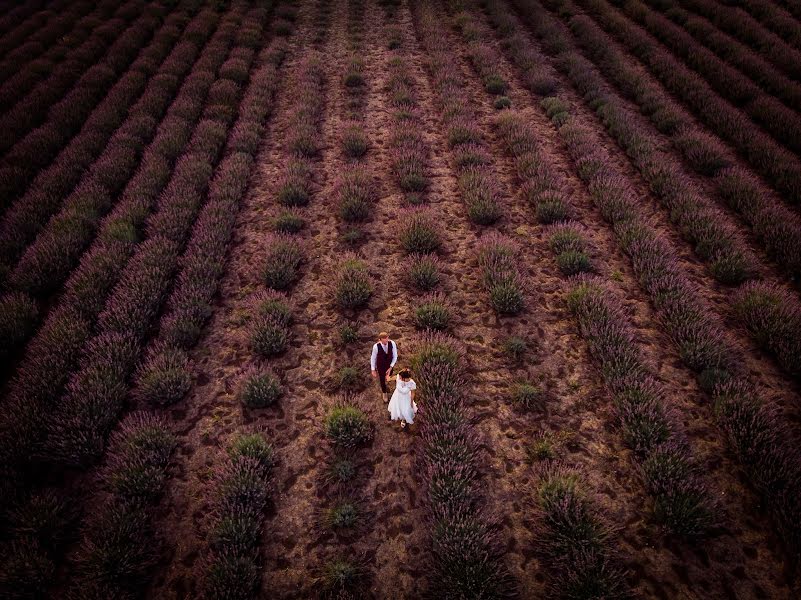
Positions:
(464, 545)
(778, 228)
(203, 262)
(408, 148)
(112, 138)
(40, 124)
(24, 20)
(758, 70)
(575, 540)
(51, 258)
(778, 19)
(421, 235)
(232, 569)
(125, 324)
(75, 433)
(477, 187)
(683, 501)
(690, 211)
(37, 53)
(750, 32)
(52, 354)
(119, 547)
(772, 466)
(242, 488)
(779, 167)
(739, 24)
(647, 426)
(697, 218)
(781, 122)
(114, 556)
(699, 338)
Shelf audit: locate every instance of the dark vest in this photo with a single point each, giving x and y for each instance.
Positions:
(384, 359)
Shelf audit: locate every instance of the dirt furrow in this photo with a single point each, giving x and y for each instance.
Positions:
(399, 529)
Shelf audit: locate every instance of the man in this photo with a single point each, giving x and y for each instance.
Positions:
(382, 359)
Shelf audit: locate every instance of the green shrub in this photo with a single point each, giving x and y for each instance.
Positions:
(463, 133)
(423, 273)
(731, 268)
(542, 448)
(711, 378)
(255, 447)
(356, 195)
(515, 348)
(282, 264)
(495, 85)
(294, 188)
(480, 194)
(269, 336)
(231, 575)
(353, 236)
(433, 313)
(571, 262)
(353, 287)
(339, 576)
(528, 397)
(684, 508)
(502, 102)
(165, 376)
(342, 516)
(342, 470)
(260, 389)
(470, 155)
(551, 208)
(349, 378)
(415, 198)
(354, 77)
(273, 305)
(507, 298)
(567, 238)
(553, 106)
(289, 222)
(348, 333)
(354, 141)
(347, 426)
(420, 233)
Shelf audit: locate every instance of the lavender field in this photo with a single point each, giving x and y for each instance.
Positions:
(578, 220)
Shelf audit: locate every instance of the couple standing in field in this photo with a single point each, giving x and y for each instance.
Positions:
(401, 406)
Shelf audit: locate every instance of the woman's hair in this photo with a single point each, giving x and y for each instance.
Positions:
(405, 374)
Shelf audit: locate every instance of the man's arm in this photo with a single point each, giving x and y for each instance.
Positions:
(373, 357)
(394, 354)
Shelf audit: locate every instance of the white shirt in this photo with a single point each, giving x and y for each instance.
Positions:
(374, 355)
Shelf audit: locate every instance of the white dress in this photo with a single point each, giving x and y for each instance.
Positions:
(401, 405)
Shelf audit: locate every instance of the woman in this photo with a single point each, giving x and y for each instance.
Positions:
(401, 406)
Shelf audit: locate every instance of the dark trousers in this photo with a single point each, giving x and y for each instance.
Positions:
(382, 376)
